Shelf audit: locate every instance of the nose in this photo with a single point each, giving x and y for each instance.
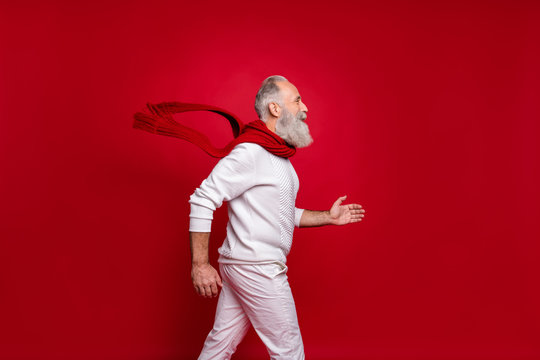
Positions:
(304, 107)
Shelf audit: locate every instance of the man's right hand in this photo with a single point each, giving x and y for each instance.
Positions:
(205, 280)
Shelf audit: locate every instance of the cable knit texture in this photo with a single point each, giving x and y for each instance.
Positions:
(287, 195)
(260, 189)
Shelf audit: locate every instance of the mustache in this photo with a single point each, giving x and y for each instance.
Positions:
(301, 115)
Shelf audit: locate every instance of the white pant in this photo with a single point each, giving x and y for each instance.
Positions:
(259, 294)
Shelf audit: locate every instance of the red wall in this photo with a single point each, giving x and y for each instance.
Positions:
(426, 113)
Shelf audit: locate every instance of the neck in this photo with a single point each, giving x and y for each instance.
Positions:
(271, 124)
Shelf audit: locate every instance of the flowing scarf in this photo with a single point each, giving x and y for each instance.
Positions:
(160, 121)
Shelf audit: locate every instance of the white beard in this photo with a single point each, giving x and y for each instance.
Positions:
(293, 129)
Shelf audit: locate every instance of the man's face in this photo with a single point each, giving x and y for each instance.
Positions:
(290, 125)
(291, 98)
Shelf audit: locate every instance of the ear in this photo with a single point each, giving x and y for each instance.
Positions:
(274, 109)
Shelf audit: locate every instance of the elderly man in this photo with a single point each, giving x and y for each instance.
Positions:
(260, 185)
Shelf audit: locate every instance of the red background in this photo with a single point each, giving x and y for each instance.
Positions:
(426, 113)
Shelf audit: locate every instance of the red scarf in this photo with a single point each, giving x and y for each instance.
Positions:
(160, 121)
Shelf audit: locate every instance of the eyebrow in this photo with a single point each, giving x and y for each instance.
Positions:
(298, 98)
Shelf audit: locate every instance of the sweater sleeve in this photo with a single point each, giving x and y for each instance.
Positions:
(232, 176)
(297, 216)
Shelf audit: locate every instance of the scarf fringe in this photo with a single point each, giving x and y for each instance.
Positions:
(160, 121)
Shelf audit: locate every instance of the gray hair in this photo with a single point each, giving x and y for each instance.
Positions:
(268, 93)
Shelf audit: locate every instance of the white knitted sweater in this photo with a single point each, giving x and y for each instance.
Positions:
(261, 192)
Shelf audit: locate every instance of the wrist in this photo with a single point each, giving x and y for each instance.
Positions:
(199, 263)
(328, 218)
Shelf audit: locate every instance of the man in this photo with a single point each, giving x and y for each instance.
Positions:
(261, 189)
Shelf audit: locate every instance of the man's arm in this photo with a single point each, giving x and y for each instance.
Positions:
(231, 176)
(337, 215)
(205, 278)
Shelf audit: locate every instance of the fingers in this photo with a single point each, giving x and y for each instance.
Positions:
(356, 211)
(207, 291)
(206, 281)
(352, 217)
(214, 289)
(349, 206)
(339, 200)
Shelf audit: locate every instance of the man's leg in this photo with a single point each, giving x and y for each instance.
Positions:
(230, 326)
(267, 299)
